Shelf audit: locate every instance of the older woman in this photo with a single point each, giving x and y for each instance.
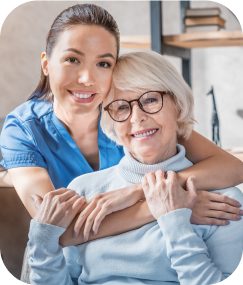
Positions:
(148, 107)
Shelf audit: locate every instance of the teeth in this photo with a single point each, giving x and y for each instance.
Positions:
(82, 96)
(144, 134)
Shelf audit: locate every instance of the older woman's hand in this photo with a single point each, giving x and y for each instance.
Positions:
(58, 208)
(164, 195)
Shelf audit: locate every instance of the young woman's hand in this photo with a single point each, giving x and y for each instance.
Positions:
(211, 207)
(164, 195)
(103, 204)
(58, 208)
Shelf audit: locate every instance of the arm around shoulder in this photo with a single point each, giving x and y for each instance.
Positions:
(213, 167)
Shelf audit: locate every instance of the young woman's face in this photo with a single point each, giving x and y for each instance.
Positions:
(80, 68)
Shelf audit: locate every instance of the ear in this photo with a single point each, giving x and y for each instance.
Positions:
(44, 64)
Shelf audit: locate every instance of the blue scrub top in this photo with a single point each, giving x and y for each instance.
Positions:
(32, 135)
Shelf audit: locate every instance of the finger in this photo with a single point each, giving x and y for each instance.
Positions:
(190, 186)
(67, 195)
(37, 200)
(58, 191)
(77, 203)
(159, 175)
(224, 199)
(226, 208)
(171, 175)
(68, 205)
(215, 222)
(145, 185)
(82, 217)
(151, 178)
(50, 195)
(99, 218)
(89, 223)
(223, 215)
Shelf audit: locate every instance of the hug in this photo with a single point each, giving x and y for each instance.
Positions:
(143, 218)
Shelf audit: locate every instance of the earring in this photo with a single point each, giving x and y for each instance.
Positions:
(46, 73)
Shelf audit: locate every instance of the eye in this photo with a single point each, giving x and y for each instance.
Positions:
(151, 100)
(123, 107)
(72, 60)
(104, 64)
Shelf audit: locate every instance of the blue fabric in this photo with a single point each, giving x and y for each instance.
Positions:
(32, 135)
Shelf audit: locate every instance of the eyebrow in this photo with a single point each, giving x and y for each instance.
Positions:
(82, 54)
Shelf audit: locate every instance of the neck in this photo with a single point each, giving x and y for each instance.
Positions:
(77, 124)
(146, 158)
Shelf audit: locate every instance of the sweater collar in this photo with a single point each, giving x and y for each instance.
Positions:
(133, 171)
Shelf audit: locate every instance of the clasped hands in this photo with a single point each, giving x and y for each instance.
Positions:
(162, 192)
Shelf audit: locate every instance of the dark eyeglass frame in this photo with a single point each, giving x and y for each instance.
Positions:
(162, 93)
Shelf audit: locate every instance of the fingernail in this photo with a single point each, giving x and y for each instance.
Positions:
(74, 235)
(227, 222)
(238, 217)
(241, 213)
(239, 205)
(94, 233)
(84, 239)
(193, 178)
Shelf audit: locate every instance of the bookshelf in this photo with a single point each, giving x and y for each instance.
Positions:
(187, 40)
(179, 45)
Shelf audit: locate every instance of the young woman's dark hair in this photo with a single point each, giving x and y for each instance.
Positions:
(81, 14)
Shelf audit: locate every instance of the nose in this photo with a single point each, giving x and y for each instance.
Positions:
(85, 77)
(138, 115)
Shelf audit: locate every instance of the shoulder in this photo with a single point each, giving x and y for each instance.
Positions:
(88, 184)
(31, 109)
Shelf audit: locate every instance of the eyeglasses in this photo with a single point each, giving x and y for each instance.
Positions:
(150, 102)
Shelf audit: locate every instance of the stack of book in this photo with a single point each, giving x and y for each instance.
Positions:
(203, 20)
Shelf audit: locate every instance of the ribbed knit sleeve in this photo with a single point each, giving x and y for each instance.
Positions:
(188, 252)
(47, 262)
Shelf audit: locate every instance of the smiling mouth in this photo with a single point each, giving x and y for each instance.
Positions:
(145, 134)
(81, 96)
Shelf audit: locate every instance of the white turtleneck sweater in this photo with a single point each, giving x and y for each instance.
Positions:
(165, 252)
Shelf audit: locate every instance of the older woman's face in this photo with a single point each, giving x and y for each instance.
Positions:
(152, 148)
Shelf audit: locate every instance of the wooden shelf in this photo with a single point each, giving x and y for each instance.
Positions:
(187, 40)
(136, 42)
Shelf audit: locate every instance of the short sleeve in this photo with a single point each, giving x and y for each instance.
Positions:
(18, 145)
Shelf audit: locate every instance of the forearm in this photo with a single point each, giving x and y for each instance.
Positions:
(213, 167)
(28, 181)
(116, 223)
(214, 173)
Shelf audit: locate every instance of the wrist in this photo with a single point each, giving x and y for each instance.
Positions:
(181, 179)
(137, 191)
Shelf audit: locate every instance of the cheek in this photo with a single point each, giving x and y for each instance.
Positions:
(121, 130)
(60, 77)
(105, 80)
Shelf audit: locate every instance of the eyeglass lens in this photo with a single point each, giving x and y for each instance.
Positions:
(150, 102)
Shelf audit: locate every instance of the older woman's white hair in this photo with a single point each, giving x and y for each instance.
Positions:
(148, 70)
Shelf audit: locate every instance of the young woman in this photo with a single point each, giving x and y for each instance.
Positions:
(55, 136)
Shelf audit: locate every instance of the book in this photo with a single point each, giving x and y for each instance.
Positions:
(211, 20)
(202, 28)
(202, 12)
